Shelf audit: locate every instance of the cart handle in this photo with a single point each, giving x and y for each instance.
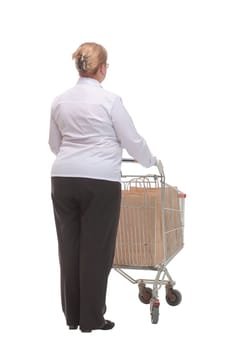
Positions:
(159, 165)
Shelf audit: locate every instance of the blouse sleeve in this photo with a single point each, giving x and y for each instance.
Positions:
(55, 136)
(128, 136)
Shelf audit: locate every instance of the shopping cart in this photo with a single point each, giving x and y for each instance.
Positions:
(150, 234)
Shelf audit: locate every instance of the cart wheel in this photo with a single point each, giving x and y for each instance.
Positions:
(145, 295)
(155, 314)
(174, 297)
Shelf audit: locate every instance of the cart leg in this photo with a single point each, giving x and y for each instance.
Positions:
(157, 283)
(125, 275)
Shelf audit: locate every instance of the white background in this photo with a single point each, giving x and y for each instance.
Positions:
(171, 62)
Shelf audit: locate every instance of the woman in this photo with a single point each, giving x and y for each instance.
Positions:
(89, 129)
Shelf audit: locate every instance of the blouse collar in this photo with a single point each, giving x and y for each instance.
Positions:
(89, 81)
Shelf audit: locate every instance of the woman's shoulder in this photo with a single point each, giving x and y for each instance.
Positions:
(58, 98)
(111, 95)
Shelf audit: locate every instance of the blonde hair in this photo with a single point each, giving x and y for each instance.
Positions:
(88, 58)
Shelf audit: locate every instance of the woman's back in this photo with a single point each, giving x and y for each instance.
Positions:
(89, 146)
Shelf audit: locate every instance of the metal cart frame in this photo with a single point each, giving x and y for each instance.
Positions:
(163, 277)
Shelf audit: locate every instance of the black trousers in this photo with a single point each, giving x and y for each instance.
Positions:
(86, 215)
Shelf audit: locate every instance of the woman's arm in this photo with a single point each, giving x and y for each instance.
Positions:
(128, 136)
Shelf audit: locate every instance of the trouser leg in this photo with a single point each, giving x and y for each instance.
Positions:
(67, 219)
(97, 240)
(86, 215)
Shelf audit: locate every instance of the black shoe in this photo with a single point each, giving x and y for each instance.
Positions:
(107, 325)
(84, 330)
(73, 327)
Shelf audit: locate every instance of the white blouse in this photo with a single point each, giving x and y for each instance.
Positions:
(89, 128)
